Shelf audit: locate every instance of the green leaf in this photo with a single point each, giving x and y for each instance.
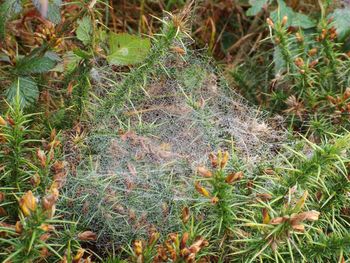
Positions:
(256, 6)
(84, 30)
(341, 22)
(8, 9)
(26, 89)
(294, 19)
(30, 65)
(53, 56)
(82, 53)
(126, 49)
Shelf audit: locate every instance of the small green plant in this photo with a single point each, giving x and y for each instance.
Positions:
(221, 192)
(309, 82)
(26, 163)
(24, 72)
(300, 202)
(288, 211)
(30, 169)
(38, 235)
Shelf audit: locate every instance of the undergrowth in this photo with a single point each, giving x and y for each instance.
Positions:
(308, 80)
(133, 147)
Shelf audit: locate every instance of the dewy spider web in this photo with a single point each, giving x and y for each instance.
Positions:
(143, 154)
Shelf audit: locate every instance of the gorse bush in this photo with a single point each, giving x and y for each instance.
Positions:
(306, 182)
(316, 70)
(159, 159)
(283, 213)
(28, 163)
(25, 163)
(169, 113)
(309, 79)
(278, 216)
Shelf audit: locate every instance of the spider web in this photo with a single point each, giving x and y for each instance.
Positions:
(137, 174)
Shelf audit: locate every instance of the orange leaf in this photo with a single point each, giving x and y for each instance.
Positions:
(42, 157)
(2, 121)
(27, 203)
(2, 196)
(79, 255)
(185, 214)
(299, 228)
(233, 177)
(201, 190)
(224, 160)
(266, 216)
(278, 220)
(214, 160)
(138, 247)
(184, 240)
(204, 171)
(18, 227)
(214, 200)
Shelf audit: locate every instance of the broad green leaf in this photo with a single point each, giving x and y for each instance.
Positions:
(256, 6)
(53, 56)
(294, 19)
(101, 35)
(342, 22)
(26, 89)
(82, 53)
(30, 65)
(8, 8)
(126, 49)
(84, 30)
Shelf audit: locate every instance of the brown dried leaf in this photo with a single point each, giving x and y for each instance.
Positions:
(299, 228)
(264, 197)
(184, 240)
(213, 159)
(87, 236)
(132, 169)
(2, 196)
(204, 172)
(185, 214)
(308, 216)
(42, 157)
(197, 245)
(278, 220)
(233, 177)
